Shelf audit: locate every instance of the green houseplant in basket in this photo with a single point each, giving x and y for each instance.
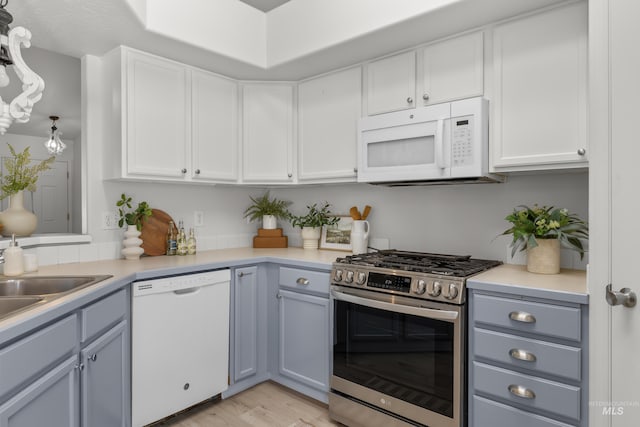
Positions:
(541, 231)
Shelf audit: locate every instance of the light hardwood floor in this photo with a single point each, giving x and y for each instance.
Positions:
(265, 405)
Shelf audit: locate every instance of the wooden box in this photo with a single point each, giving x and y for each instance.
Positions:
(276, 232)
(270, 242)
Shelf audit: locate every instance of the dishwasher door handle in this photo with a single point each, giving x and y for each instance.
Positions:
(187, 290)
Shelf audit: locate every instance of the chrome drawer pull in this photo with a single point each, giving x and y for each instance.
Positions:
(524, 355)
(520, 391)
(522, 316)
(302, 281)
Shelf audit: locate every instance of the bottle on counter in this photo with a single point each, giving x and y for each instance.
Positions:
(172, 239)
(13, 262)
(191, 243)
(182, 240)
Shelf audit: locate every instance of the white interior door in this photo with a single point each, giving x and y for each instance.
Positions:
(50, 201)
(625, 205)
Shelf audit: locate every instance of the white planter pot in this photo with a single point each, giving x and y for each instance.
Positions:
(269, 222)
(544, 258)
(16, 219)
(310, 237)
(131, 243)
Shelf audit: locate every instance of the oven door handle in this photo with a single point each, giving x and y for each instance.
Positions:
(431, 313)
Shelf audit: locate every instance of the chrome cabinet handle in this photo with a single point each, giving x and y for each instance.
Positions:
(289, 175)
(355, 170)
(582, 152)
(522, 316)
(624, 296)
(241, 274)
(523, 355)
(302, 281)
(184, 170)
(425, 96)
(93, 357)
(197, 171)
(80, 367)
(409, 100)
(520, 391)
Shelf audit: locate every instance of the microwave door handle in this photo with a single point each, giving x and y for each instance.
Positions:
(439, 145)
(397, 308)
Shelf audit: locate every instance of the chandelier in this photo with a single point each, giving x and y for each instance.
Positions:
(19, 109)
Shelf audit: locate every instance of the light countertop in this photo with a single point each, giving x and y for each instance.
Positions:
(568, 285)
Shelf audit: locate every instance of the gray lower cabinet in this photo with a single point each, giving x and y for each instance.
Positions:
(528, 361)
(304, 338)
(73, 372)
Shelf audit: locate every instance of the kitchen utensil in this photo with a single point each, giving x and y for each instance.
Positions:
(355, 213)
(365, 212)
(154, 233)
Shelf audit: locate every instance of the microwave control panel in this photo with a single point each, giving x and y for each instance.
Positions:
(462, 141)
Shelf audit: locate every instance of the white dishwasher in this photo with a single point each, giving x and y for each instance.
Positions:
(179, 343)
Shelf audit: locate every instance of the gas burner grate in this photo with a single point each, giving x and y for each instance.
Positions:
(445, 265)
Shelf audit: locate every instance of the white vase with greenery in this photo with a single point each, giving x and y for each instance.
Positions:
(20, 176)
(311, 224)
(133, 218)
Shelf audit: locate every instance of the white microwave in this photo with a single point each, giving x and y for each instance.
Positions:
(442, 143)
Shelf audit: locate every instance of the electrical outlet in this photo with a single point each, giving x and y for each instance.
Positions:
(198, 219)
(110, 221)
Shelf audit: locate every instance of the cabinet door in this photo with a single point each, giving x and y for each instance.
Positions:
(540, 66)
(157, 116)
(214, 122)
(328, 111)
(452, 69)
(304, 339)
(267, 139)
(391, 83)
(105, 379)
(50, 401)
(245, 349)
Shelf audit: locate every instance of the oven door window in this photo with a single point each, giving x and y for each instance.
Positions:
(407, 357)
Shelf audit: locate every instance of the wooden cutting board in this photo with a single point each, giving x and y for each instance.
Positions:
(154, 233)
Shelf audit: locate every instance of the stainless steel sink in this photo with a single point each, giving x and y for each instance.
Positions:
(22, 293)
(14, 305)
(45, 285)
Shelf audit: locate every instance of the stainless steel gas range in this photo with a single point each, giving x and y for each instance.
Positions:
(400, 338)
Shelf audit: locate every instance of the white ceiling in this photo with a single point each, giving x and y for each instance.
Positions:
(265, 5)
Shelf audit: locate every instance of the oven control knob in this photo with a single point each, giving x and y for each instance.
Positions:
(338, 276)
(421, 287)
(434, 289)
(361, 278)
(349, 278)
(451, 291)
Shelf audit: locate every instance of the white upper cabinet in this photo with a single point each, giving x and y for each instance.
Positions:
(452, 69)
(391, 83)
(157, 119)
(328, 111)
(267, 133)
(540, 83)
(214, 122)
(167, 121)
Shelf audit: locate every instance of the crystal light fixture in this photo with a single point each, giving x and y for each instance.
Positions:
(19, 109)
(55, 145)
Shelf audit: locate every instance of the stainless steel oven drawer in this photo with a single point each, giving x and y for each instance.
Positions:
(528, 316)
(539, 356)
(488, 413)
(554, 397)
(305, 280)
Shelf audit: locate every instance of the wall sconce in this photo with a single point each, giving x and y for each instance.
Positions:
(54, 144)
(19, 109)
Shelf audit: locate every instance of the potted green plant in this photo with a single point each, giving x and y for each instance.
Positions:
(270, 210)
(541, 231)
(311, 223)
(20, 175)
(133, 218)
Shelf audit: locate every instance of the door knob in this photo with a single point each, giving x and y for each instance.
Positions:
(624, 296)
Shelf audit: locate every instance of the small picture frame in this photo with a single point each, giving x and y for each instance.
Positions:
(337, 236)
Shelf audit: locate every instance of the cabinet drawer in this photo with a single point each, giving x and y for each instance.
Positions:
(546, 319)
(489, 413)
(297, 278)
(22, 360)
(546, 357)
(551, 396)
(101, 315)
